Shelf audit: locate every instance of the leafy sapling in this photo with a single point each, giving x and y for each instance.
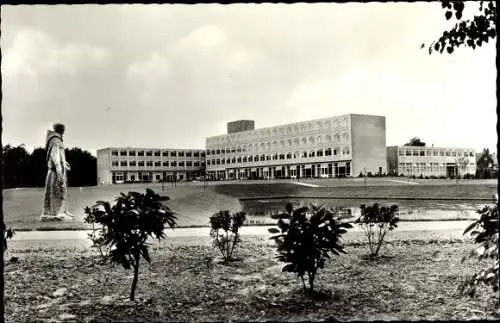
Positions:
(305, 237)
(224, 230)
(376, 221)
(128, 224)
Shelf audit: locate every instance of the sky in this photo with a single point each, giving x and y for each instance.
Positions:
(168, 76)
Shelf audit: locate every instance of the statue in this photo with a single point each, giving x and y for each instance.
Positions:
(54, 206)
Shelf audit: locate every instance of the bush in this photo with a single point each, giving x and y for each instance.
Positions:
(485, 234)
(376, 221)
(361, 174)
(305, 238)
(7, 234)
(224, 230)
(128, 224)
(369, 174)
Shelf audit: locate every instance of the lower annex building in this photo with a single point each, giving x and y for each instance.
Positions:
(118, 165)
(431, 161)
(330, 147)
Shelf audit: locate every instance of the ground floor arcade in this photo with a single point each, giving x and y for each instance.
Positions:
(311, 170)
(118, 177)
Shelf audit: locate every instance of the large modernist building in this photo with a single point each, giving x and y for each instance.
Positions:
(331, 147)
(118, 165)
(430, 161)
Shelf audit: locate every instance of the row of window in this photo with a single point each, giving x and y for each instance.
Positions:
(279, 144)
(257, 158)
(133, 163)
(290, 129)
(427, 166)
(428, 152)
(157, 153)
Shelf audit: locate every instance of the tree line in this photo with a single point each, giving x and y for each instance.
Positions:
(24, 169)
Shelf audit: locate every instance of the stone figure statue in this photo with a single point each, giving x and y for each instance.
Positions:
(54, 204)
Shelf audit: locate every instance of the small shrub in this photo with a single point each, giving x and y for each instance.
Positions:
(225, 231)
(369, 174)
(376, 221)
(305, 237)
(484, 231)
(128, 224)
(7, 234)
(361, 174)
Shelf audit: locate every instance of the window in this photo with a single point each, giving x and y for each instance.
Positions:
(268, 157)
(196, 154)
(319, 153)
(173, 164)
(422, 153)
(157, 153)
(132, 163)
(275, 157)
(149, 163)
(217, 161)
(189, 163)
(233, 160)
(447, 153)
(140, 153)
(441, 153)
(245, 159)
(289, 156)
(304, 154)
(131, 153)
(188, 154)
(181, 154)
(181, 164)
(454, 154)
(157, 163)
(250, 159)
(114, 153)
(141, 164)
(173, 154)
(239, 159)
(203, 154)
(311, 154)
(208, 162)
(335, 152)
(435, 153)
(196, 164)
(346, 151)
(165, 163)
(416, 152)
(282, 156)
(114, 163)
(408, 153)
(165, 154)
(224, 161)
(208, 152)
(149, 153)
(217, 151)
(123, 163)
(402, 152)
(328, 152)
(262, 157)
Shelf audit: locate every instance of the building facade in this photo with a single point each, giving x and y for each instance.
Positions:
(331, 147)
(431, 161)
(119, 165)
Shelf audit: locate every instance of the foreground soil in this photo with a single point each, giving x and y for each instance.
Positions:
(187, 282)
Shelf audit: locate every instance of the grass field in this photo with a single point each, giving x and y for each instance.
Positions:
(417, 280)
(194, 204)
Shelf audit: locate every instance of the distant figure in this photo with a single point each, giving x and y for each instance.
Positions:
(54, 206)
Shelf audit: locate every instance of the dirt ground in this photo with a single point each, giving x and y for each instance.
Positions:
(416, 280)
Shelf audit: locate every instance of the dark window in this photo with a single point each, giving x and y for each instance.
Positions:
(149, 153)
(181, 164)
(157, 164)
(173, 164)
(165, 163)
(114, 163)
(268, 157)
(208, 162)
(141, 163)
(250, 159)
(132, 163)
(173, 154)
(196, 154)
(203, 154)
(218, 152)
(319, 153)
(188, 154)
(289, 156)
(114, 153)
(239, 159)
(328, 152)
(282, 156)
(196, 164)
(208, 152)
(181, 154)
(131, 153)
(157, 153)
(140, 153)
(165, 154)
(123, 163)
(149, 163)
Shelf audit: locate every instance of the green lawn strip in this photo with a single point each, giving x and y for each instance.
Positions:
(187, 282)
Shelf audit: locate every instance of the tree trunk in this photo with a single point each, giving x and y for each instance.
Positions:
(134, 281)
(311, 283)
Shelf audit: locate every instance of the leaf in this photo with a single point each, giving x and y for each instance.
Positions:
(448, 15)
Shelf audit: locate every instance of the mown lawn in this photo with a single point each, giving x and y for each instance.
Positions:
(186, 282)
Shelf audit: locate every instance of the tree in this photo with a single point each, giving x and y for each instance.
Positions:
(485, 164)
(305, 237)
(466, 32)
(15, 166)
(128, 224)
(376, 221)
(415, 142)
